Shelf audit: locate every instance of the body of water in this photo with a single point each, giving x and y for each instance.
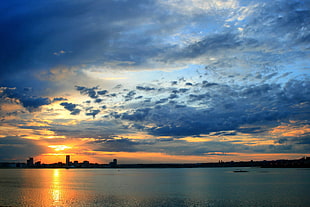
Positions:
(154, 187)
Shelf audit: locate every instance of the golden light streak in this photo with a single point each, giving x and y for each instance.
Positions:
(34, 134)
(59, 147)
(55, 137)
(197, 139)
(38, 123)
(290, 130)
(10, 107)
(56, 187)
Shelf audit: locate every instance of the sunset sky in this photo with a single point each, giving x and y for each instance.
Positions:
(154, 81)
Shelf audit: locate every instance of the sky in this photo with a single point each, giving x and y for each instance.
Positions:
(154, 81)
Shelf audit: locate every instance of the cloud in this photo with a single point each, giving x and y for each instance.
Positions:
(212, 45)
(150, 29)
(190, 69)
(200, 7)
(60, 99)
(146, 88)
(31, 103)
(154, 35)
(43, 40)
(223, 108)
(163, 100)
(91, 92)
(103, 92)
(116, 145)
(138, 115)
(71, 107)
(17, 148)
(130, 95)
(93, 113)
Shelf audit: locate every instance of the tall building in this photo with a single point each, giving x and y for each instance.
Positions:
(30, 162)
(67, 160)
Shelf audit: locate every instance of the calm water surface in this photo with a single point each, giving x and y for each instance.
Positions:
(154, 187)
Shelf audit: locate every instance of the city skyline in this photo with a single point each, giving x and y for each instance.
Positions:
(143, 81)
(303, 162)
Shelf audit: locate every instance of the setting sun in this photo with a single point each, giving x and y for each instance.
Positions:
(59, 147)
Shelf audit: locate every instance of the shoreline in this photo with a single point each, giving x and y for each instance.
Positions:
(299, 163)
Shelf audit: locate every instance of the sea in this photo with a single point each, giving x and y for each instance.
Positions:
(258, 187)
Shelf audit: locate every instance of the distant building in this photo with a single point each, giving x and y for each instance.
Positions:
(85, 163)
(67, 160)
(38, 164)
(30, 162)
(113, 163)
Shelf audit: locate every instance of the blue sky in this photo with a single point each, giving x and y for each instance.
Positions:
(154, 81)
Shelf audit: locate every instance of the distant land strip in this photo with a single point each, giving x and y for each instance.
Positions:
(297, 163)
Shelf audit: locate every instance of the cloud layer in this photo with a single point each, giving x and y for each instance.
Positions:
(177, 77)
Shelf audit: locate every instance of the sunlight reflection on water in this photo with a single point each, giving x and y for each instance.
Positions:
(56, 188)
(153, 187)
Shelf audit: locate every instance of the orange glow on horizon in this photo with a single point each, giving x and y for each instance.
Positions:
(156, 157)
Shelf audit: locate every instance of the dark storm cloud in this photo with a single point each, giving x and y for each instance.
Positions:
(17, 148)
